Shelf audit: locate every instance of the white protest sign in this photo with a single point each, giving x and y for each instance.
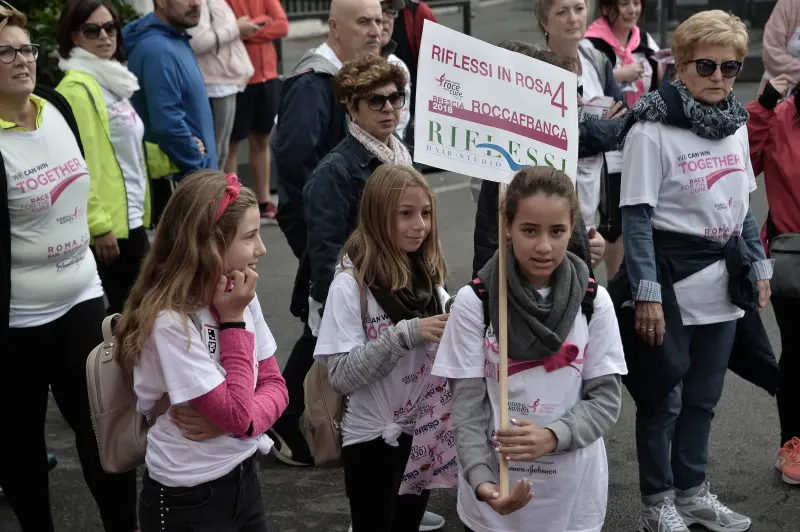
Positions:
(487, 112)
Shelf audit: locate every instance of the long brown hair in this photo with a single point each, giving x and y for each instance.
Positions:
(377, 258)
(181, 271)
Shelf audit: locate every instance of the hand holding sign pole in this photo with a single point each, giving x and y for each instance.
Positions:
(486, 112)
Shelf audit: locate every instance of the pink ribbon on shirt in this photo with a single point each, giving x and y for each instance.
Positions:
(231, 195)
(565, 356)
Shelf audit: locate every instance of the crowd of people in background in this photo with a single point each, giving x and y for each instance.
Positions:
(143, 133)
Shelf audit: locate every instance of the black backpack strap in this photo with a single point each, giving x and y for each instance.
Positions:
(480, 290)
(587, 305)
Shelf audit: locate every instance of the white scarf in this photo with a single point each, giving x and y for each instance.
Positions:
(394, 153)
(109, 73)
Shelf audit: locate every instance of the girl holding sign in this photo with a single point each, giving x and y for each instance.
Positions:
(564, 384)
(379, 352)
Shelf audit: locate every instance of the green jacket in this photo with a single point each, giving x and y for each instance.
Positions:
(108, 202)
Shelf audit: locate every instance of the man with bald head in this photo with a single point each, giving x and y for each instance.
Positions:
(310, 123)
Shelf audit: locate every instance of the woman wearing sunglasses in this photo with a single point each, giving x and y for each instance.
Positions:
(98, 88)
(690, 244)
(372, 91)
(51, 299)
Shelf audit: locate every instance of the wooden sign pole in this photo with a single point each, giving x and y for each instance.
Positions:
(502, 334)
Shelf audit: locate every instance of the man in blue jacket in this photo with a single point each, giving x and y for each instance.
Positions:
(172, 101)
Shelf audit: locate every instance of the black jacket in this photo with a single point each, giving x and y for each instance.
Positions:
(331, 198)
(63, 107)
(655, 370)
(311, 122)
(485, 235)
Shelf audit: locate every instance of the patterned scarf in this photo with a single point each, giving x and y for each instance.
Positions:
(675, 106)
(394, 153)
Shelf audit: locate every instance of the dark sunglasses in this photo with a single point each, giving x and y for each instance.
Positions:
(91, 30)
(580, 91)
(707, 67)
(29, 52)
(376, 102)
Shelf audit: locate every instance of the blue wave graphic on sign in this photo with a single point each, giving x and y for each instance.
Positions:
(514, 165)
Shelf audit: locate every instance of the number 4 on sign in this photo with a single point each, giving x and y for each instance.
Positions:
(559, 95)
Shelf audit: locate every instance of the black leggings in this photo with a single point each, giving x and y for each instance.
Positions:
(786, 312)
(55, 355)
(118, 278)
(372, 474)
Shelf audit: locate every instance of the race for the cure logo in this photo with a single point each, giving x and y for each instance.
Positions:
(453, 88)
(64, 174)
(717, 167)
(730, 204)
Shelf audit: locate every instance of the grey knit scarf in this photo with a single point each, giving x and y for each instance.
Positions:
(537, 327)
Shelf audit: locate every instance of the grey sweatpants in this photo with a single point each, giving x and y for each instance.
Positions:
(223, 110)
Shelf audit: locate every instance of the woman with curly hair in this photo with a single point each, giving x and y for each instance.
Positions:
(372, 91)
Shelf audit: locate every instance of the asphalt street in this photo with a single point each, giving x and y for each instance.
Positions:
(743, 441)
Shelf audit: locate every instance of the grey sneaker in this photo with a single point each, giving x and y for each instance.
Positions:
(705, 510)
(431, 521)
(662, 517)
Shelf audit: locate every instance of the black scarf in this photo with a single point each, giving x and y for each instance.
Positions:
(674, 105)
(420, 300)
(536, 327)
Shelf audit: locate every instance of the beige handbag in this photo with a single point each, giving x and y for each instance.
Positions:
(325, 408)
(121, 430)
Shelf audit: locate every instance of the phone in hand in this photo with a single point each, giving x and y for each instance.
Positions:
(260, 21)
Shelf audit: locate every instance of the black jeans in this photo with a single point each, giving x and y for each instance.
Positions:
(294, 373)
(55, 355)
(118, 278)
(231, 503)
(786, 312)
(373, 472)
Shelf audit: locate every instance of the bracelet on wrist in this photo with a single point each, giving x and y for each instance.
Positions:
(232, 325)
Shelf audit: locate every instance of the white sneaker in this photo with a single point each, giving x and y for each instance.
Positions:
(704, 509)
(430, 521)
(662, 517)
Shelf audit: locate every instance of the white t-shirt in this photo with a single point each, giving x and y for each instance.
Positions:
(405, 112)
(385, 408)
(127, 135)
(571, 489)
(52, 267)
(696, 187)
(589, 168)
(187, 368)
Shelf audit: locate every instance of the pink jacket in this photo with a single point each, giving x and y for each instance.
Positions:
(779, 30)
(220, 53)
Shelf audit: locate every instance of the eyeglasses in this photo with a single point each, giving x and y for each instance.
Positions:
(391, 12)
(29, 52)
(91, 30)
(376, 102)
(707, 67)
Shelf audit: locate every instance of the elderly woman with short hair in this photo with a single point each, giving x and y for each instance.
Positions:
(693, 265)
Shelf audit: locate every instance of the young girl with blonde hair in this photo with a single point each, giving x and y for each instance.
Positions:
(381, 360)
(193, 334)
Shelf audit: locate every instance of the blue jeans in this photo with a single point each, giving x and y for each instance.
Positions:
(672, 443)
